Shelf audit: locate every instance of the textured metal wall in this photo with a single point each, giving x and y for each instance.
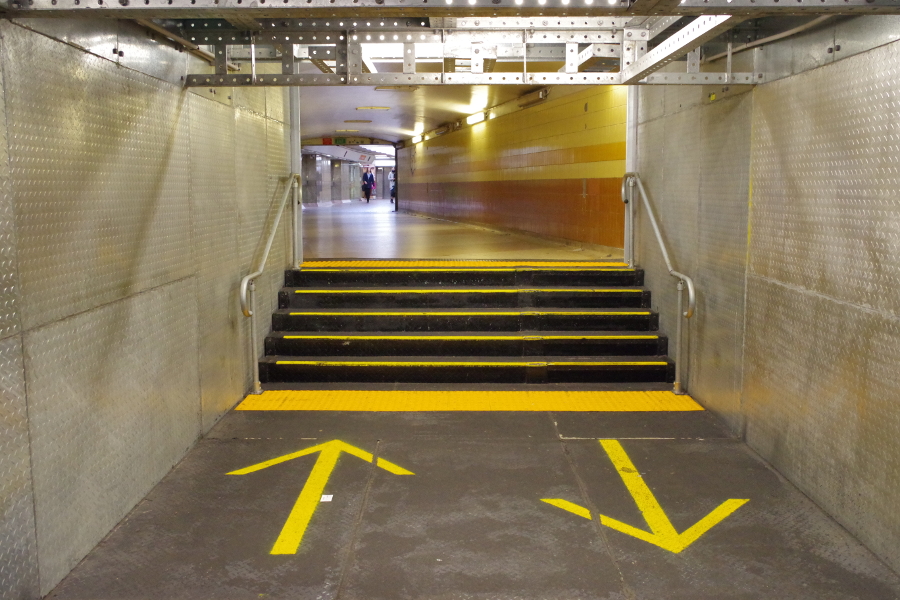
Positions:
(18, 544)
(694, 160)
(123, 236)
(717, 331)
(823, 325)
(212, 133)
(112, 406)
(99, 176)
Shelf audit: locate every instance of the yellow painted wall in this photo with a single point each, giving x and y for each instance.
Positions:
(553, 169)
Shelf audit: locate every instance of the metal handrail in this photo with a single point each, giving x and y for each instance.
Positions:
(245, 282)
(248, 283)
(629, 181)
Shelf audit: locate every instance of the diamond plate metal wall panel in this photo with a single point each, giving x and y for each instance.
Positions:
(694, 160)
(861, 34)
(248, 97)
(112, 400)
(253, 208)
(820, 393)
(821, 377)
(97, 36)
(149, 53)
(717, 329)
(277, 103)
(9, 286)
(213, 186)
(18, 545)
(824, 181)
(99, 178)
(652, 104)
(251, 169)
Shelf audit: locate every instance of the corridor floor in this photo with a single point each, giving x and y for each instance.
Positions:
(410, 492)
(373, 230)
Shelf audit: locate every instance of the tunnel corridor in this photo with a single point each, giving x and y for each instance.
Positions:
(629, 331)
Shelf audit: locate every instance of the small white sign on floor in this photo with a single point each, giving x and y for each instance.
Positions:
(327, 497)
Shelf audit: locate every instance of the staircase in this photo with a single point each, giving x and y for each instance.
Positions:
(469, 322)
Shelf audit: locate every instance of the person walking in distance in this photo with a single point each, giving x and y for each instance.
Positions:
(392, 178)
(368, 182)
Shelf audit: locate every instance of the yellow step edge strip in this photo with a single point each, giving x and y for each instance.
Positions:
(457, 263)
(461, 314)
(431, 401)
(470, 337)
(457, 270)
(467, 291)
(388, 363)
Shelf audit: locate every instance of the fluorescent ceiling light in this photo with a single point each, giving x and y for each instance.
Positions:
(417, 139)
(346, 130)
(476, 118)
(358, 121)
(396, 88)
(373, 108)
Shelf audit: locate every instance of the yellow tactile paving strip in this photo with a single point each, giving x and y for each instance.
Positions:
(431, 401)
(456, 264)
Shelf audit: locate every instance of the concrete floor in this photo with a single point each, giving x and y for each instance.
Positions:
(470, 523)
(374, 230)
(663, 505)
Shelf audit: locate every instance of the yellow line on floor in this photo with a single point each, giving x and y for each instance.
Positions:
(622, 269)
(467, 291)
(325, 264)
(430, 401)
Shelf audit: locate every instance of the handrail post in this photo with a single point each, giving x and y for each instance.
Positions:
(254, 354)
(677, 386)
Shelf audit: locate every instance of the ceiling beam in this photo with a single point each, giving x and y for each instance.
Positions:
(538, 10)
(700, 30)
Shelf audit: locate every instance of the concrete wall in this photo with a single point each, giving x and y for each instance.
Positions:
(553, 170)
(129, 210)
(782, 203)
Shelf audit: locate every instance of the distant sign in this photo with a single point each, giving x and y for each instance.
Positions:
(340, 141)
(327, 142)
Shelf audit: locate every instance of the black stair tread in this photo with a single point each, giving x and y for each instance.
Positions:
(468, 334)
(475, 360)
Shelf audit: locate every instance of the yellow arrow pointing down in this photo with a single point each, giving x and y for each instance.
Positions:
(662, 533)
(292, 533)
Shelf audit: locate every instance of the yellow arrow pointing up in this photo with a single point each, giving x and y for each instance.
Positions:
(292, 533)
(662, 533)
